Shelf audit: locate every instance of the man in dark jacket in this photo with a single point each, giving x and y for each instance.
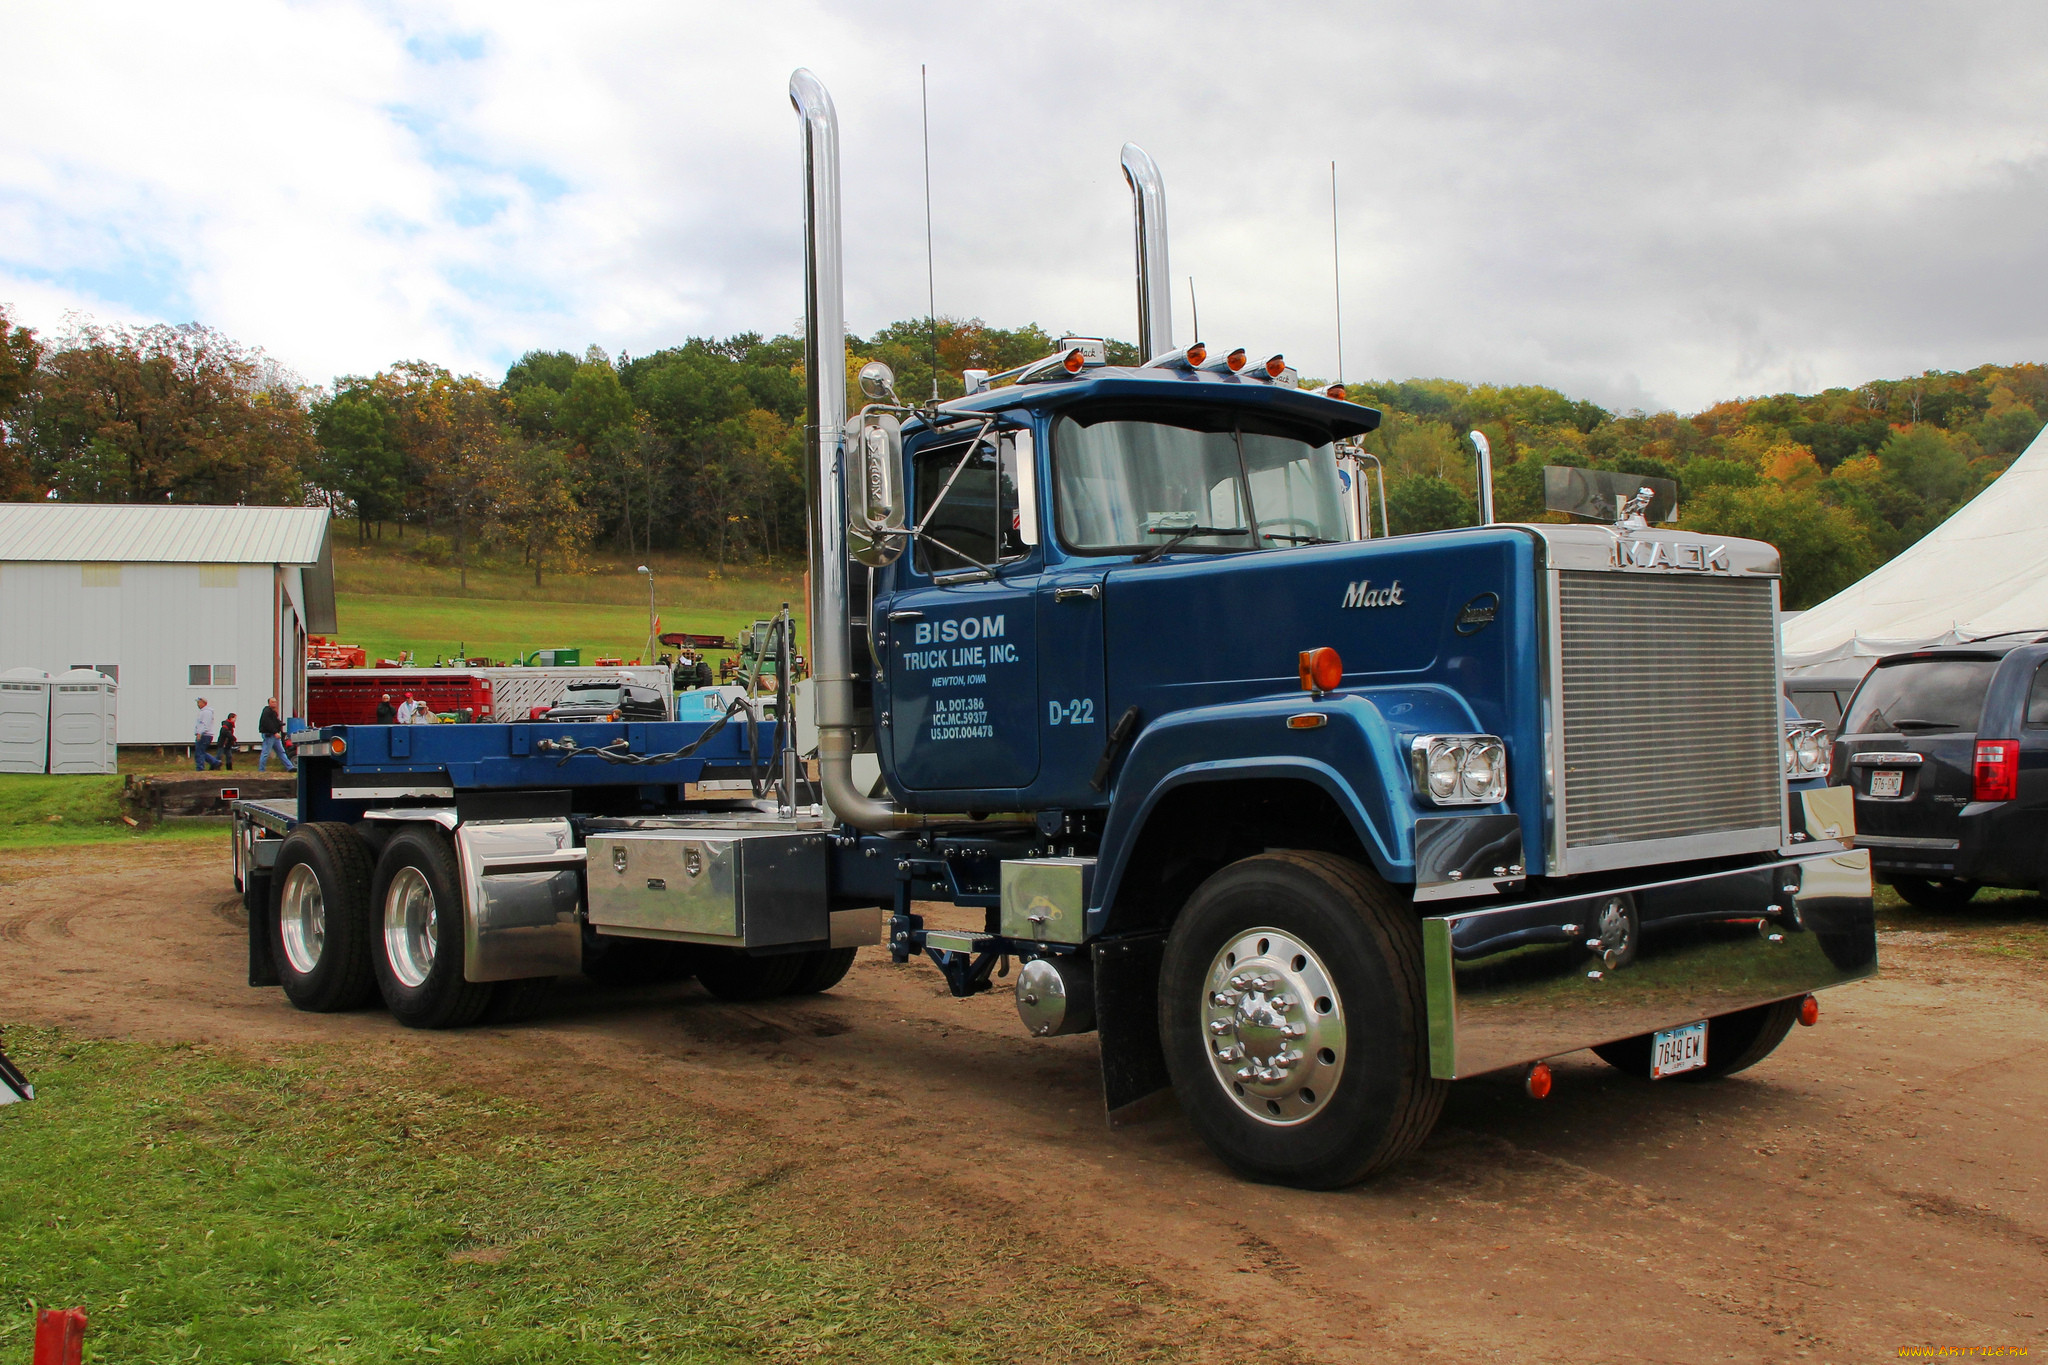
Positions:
(387, 714)
(271, 729)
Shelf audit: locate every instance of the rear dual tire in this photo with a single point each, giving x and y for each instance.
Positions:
(1936, 895)
(319, 933)
(416, 905)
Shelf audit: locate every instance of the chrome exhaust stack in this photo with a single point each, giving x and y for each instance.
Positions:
(825, 472)
(1155, 277)
(1484, 476)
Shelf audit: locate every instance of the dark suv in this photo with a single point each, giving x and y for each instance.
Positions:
(608, 701)
(1946, 751)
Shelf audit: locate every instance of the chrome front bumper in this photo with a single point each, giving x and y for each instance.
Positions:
(1514, 984)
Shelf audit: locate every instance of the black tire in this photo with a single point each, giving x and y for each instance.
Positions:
(1357, 938)
(1735, 1042)
(320, 918)
(417, 949)
(514, 1002)
(730, 974)
(613, 961)
(821, 970)
(1942, 896)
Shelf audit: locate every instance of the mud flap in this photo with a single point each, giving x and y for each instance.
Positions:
(256, 909)
(1135, 1085)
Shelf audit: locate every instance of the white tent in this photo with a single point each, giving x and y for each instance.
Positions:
(1982, 572)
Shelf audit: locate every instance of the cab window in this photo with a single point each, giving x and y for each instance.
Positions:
(2037, 700)
(976, 521)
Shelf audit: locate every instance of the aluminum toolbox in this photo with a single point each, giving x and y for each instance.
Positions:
(742, 888)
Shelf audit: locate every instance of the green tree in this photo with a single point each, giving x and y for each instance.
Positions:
(1823, 548)
(1423, 502)
(20, 354)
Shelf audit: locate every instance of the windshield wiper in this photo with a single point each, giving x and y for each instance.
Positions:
(1924, 724)
(1298, 540)
(1147, 556)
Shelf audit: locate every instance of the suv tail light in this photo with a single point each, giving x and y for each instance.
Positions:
(1997, 770)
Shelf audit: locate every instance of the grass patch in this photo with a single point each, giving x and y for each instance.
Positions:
(391, 596)
(204, 1207)
(38, 810)
(1998, 921)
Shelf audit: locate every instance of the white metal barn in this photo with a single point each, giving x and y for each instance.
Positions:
(174, 603)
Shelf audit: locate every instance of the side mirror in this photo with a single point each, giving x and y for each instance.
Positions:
(874, 488)
(878, 382)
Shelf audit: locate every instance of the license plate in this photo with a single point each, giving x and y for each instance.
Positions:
(1678, 1049)
(1887, 782)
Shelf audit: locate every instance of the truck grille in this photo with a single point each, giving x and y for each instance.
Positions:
(1671, 721)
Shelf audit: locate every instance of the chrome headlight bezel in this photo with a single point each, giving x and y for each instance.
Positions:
(1807, 752)
(1479, 763)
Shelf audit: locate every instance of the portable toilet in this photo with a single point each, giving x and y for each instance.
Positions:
(82, 722)
(24, 721)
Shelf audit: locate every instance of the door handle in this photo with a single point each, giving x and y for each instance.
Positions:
(1088, 594)
(906, 615)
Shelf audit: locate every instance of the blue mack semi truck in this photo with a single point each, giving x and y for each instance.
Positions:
(1304, 827)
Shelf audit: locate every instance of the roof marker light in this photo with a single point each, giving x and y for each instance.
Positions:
(1275, 366)
(1336, 391)
(1179, 360)
(1235, 360)
(1321, 670)
(1076, 358)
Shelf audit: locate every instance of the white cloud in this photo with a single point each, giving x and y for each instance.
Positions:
(1640, 205)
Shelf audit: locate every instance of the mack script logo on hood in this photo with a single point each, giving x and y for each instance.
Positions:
(1364, 594)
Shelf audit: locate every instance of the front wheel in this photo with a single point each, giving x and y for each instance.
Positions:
(417, 897)
(1293, 1015)
(1735, 1042)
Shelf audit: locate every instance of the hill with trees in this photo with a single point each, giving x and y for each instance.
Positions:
(698, 448)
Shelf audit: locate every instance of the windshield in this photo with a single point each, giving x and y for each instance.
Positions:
(1133, 485)
(592, 694)
(1921, 696)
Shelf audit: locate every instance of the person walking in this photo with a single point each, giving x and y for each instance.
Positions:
(387, 714)
(227, 742)
(203, 728)
(271, 729)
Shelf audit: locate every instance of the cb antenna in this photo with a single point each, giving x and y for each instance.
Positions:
(931, 309)
(1195, 308)
(1336, 273)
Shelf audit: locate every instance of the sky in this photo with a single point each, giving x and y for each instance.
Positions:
(1652, 206)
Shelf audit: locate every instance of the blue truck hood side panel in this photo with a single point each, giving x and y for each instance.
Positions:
(1221, 630)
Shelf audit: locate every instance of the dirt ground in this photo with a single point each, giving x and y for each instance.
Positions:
(1878, 1183)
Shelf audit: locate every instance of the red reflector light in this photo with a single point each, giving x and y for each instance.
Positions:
(1308, 720)
(1538, 1081)
(1235, 360)
(1809, 1011)
(1074, 361)
(338, 745)
(1274, 365)
(1998, 770)
(230, 793)
(1321, 670)
(1197, 353)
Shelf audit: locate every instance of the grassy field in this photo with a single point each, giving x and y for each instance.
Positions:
(392, 597)
(40, 811)
(205, 1206)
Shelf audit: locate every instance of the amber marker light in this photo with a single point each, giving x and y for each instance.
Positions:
(1336, 391)
(1235, 360)
(1075, 360)
(1197, 353)
(1321, 670)
(338, 745)
(1274, 365)
(1809, 1011)
(1537, 1082)
(1308, 720)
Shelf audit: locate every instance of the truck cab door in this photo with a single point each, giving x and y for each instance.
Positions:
(960, 712)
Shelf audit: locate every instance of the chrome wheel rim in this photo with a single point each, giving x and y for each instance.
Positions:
(411, 926)
(1273, 1024)
(302, 918)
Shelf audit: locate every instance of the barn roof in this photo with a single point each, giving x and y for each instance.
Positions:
(177, 534)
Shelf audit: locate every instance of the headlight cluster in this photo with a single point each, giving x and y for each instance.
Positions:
(1459, 770)
(1806, 750)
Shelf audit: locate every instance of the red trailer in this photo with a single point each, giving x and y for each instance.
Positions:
(350, 696)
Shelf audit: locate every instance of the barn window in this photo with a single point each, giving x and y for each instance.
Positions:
(199, 675)
(100, 575)
(223, 675)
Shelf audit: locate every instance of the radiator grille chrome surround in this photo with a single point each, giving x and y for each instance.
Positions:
(1666, 740)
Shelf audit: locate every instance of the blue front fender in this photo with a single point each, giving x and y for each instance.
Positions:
(1358, 756)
